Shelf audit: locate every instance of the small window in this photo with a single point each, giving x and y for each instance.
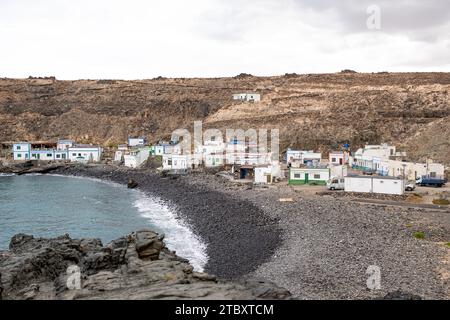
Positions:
(317, 176)
(79, 154)
(58, 156)
(74, 154)
(19, 156)
(381, 181)
(49, 155)
(18, 148)
(297, 176)
(433, 174)
(333, 159)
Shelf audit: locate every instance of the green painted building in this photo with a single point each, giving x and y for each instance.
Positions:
(309, 176)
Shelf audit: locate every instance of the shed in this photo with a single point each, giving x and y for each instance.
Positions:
(374, 184)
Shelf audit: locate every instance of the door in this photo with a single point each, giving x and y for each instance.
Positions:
(306, 177)
(269, 178)
(340, 161)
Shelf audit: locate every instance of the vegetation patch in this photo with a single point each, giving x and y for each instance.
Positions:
(419, 235)
(441, 202)
(415, 198)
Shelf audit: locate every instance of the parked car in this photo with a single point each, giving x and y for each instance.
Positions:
(336, 184)
(410, 186)
(427, 181)
(368, 172)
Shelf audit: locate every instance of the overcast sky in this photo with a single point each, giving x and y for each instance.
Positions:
(137, 39)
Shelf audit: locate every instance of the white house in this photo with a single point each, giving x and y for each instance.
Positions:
(136, 157)
(136, 141)
(302, 157)
(175, 149)
(64, 144)
(21, 151)
(45, 155)
(413, 170)
(338, 158)
(249, 97)
(85, 153)
(364, 157)
(61, 155)
(176, 162)
(266, 174)
(312, 176)
(375, 184)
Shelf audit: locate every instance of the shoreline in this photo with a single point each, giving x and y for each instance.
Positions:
(317, 246)
(239, 237)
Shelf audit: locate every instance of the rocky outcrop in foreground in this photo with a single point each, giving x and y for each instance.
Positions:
(137, 266)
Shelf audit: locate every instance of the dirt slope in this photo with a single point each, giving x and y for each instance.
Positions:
(311, 111)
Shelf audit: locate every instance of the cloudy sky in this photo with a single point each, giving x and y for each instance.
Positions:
(138, 39)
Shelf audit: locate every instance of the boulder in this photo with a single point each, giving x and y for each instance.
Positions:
(132, 184)
(148, 244)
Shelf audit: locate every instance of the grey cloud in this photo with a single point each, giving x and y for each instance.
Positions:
(421, 20)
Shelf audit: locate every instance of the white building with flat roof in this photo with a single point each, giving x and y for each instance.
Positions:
(21, 151)
(84, 153)
(136, 157)
(64, 144)
(176, 162)
(247, 97)
(374, 184)
(136, 141)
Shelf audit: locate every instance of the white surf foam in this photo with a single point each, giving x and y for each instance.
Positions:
(7, 174)
(179, 236)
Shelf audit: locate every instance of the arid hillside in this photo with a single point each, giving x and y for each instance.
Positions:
(411, 110)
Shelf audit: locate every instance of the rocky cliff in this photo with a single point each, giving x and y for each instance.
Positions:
(410, 110)
(137, 266)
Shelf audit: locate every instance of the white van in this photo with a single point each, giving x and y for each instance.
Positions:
(336, 184)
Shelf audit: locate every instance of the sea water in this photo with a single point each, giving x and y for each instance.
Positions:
(51, 205)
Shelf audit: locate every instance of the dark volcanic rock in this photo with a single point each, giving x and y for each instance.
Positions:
(148, 244)
(132, 184)
(399, 295)
(138, 266)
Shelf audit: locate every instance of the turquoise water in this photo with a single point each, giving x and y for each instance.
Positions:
(49, 206)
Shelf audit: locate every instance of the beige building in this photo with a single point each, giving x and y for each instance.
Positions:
(413, 170)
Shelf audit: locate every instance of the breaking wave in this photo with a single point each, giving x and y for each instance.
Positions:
(178, 236)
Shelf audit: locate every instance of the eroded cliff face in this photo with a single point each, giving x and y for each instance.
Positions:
(411, 110)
